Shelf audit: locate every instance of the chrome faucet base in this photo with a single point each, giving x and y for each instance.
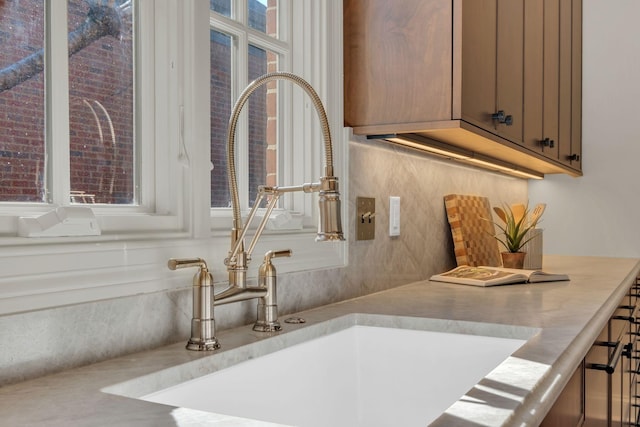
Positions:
(267, 318)
(267, 327)
(199, 345)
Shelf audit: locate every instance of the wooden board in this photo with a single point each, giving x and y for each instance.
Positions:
(472, 230)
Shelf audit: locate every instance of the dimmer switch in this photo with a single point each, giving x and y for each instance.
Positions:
(365, 218)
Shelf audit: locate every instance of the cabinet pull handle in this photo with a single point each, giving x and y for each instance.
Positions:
(632, 317)
(574, 157)
(609, 367)
(502, 118)
(547, 142)
(627, 350)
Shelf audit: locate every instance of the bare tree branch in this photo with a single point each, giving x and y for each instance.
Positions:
(102, 20)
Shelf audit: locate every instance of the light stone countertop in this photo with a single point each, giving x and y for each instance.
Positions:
(569, 316)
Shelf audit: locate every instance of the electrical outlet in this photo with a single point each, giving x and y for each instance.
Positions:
(365, 218)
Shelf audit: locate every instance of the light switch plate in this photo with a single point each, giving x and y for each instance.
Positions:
(394, 216)
(365, 218)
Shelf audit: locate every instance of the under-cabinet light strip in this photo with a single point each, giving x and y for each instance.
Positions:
(459, 154)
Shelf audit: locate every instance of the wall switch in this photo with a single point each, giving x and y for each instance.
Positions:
(394, 216)
(365, 218)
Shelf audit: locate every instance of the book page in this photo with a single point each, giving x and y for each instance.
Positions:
(477, 273)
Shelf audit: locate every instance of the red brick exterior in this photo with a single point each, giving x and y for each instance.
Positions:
(262, 108)
(22, 108)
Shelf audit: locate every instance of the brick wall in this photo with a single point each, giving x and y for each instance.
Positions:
(261, 107)
(21, 109)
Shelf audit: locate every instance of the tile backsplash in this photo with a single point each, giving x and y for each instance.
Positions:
(46, 341)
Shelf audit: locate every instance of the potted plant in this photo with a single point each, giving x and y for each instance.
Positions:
(517, 221)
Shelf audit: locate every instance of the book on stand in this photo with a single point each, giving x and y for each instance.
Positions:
(493, 276)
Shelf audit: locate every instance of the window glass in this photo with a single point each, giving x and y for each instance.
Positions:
(263, 16)
(233, 66)
(101, 96)
(22, 142)
(223, 7)
(263, 122)
(220, 111)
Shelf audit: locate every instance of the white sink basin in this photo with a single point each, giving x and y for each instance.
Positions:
(362, 370)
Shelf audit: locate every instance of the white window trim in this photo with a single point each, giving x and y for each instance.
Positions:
(52, 272)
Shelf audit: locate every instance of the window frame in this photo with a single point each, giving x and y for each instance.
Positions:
(154, 211)
(130, 256)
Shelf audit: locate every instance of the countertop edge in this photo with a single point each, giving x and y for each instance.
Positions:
(537, 405)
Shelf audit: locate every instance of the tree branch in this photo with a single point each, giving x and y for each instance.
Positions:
(101, 21)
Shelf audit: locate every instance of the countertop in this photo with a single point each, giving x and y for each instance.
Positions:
(569, 316)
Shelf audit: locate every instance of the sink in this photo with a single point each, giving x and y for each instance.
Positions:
(358, 370)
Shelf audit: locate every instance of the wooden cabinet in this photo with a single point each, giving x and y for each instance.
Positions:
(612, 368)
(492, 66)
(568, 409)
(603, 390)
(553, 80)
(444, 69)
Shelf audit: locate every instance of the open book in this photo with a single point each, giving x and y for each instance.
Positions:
(492, 276)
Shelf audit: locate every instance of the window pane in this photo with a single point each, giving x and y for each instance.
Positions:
(22, 146)
(263, 125)
(220, 112)
(223, 7)
(101, 112)
(263, 16)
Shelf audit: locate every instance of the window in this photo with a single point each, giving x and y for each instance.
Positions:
(278, 139)
(247, 41)
(81, 119)
(101, 107)
(98, 136)
(123, 126)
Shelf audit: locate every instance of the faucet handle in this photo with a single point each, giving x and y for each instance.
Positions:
(267, 319)
(277, 254)
(176, 263)
(203, 325)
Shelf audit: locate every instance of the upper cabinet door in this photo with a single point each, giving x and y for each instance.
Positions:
(564, 83)
(478, 62)
(492, 66)
(510, 63)
(551, 88)
(533, 75)
(397, 61)
(576, 85)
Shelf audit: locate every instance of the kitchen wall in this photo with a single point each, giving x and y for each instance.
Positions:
(46, 341)
(592, 215)
(597, 214)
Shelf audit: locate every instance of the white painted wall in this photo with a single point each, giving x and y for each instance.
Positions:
(599, 213)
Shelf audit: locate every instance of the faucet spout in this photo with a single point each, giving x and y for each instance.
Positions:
(329, 219)
(329, 229)
(236, 294)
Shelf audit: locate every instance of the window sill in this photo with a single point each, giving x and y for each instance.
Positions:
(80, 270)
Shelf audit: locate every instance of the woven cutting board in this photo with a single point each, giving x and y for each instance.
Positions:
(472, 230)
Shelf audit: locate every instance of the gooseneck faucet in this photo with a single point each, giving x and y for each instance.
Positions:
(238, 259)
